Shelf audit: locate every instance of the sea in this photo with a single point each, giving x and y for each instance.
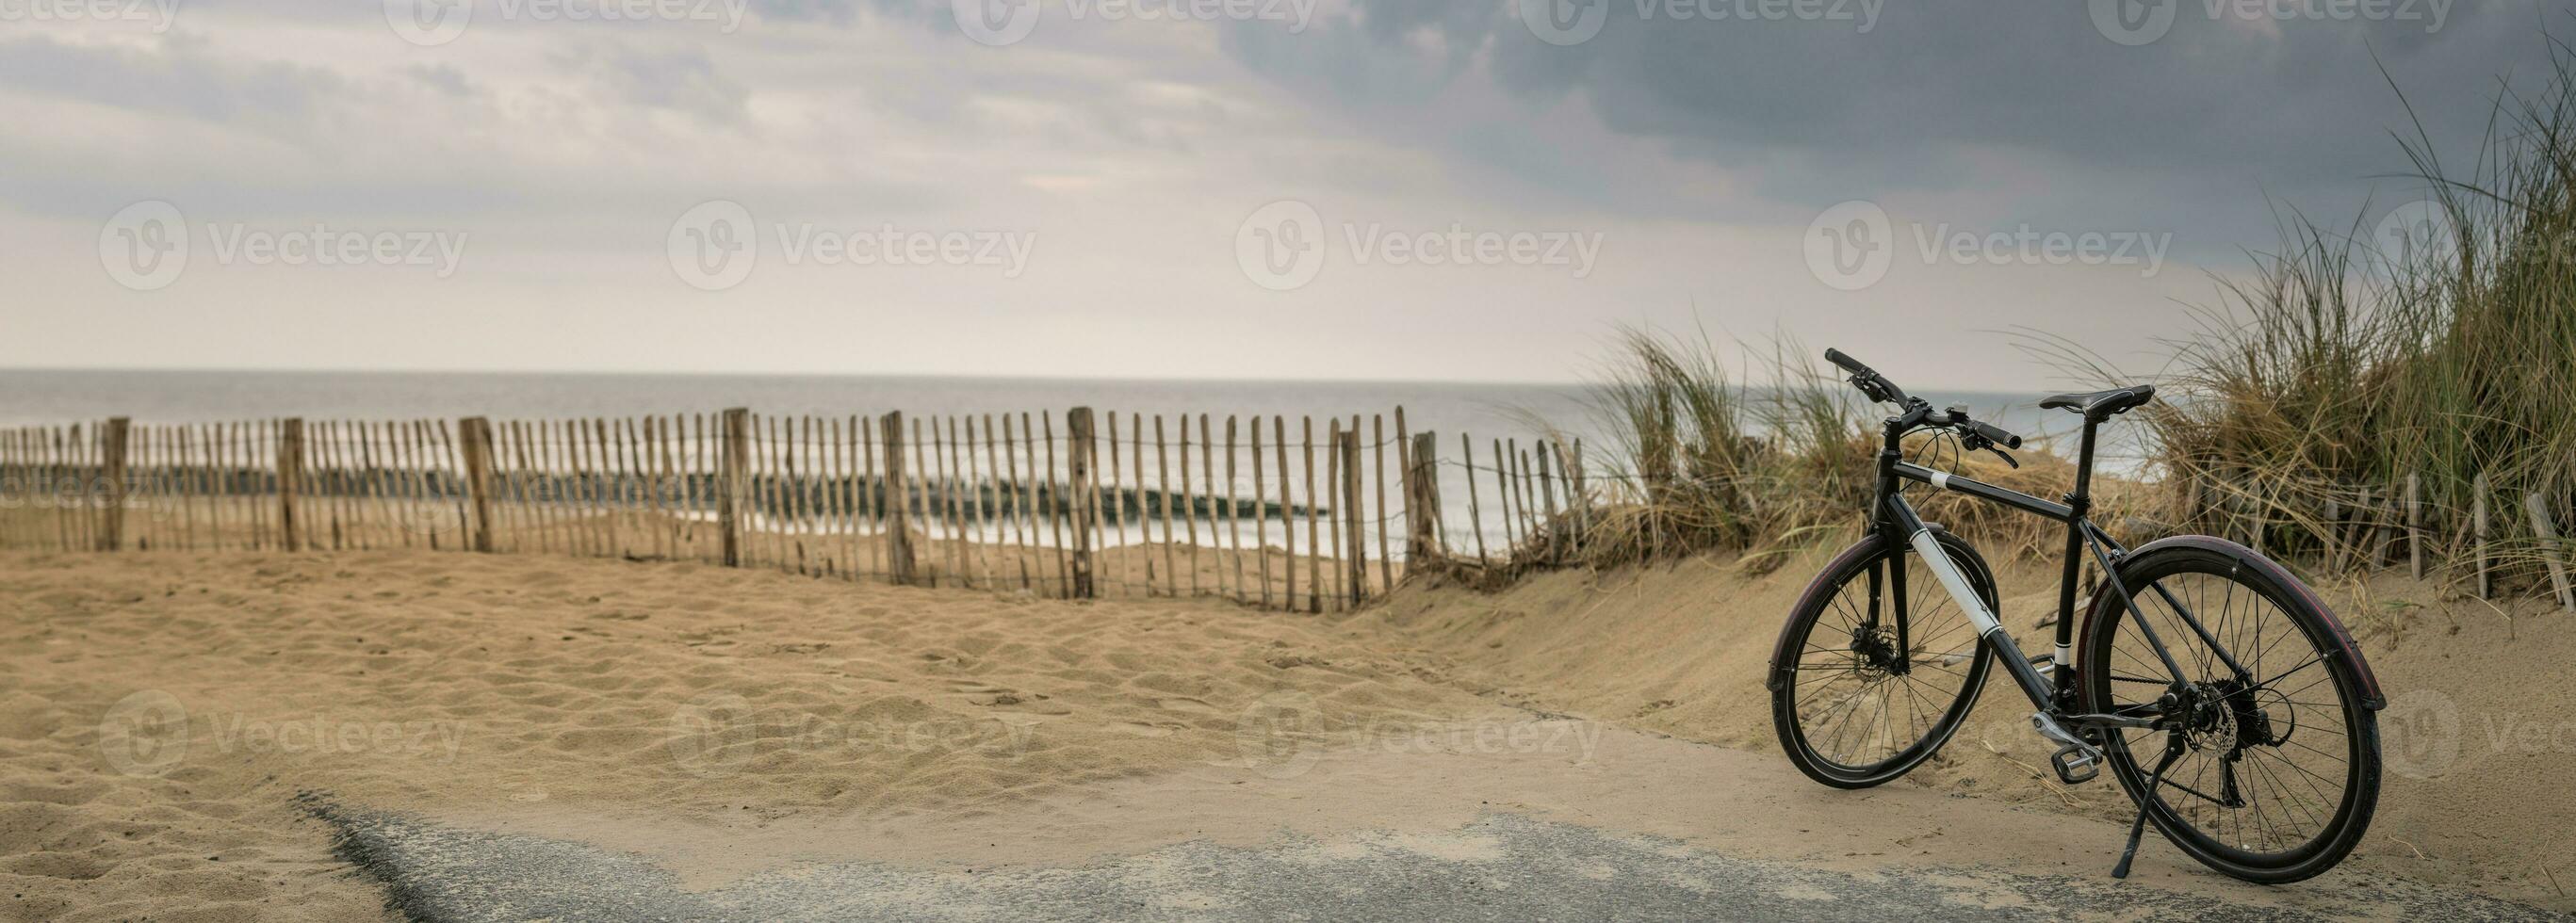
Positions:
(1481, 409)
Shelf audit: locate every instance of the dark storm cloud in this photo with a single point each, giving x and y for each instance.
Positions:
(1941, 97)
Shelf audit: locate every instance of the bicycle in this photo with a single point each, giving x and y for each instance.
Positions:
(2193, 641)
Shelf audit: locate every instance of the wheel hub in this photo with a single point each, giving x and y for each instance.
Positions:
(1875, 648)
(2227, 717)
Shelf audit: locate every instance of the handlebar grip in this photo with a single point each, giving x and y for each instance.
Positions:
(1870, 381)
(1996, 435)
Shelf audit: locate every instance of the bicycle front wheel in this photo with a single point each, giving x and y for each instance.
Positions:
(2270, 768)
(1874, 671)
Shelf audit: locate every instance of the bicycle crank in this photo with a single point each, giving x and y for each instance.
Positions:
(2076, 761)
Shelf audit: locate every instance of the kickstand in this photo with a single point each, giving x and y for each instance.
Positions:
(2138, 828)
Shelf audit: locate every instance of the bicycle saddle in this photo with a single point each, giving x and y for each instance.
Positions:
(2100, 405)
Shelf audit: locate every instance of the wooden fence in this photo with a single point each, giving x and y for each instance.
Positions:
(2487, 534)
(1268, 511)
(1276, 513)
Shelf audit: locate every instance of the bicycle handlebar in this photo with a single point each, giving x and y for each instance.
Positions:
(1879, 388)
(1994, 434)
(1868, 379)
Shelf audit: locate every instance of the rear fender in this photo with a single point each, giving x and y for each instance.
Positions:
(2345, 649)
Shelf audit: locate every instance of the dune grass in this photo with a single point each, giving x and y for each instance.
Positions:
(2342, 363)
(2352, 359)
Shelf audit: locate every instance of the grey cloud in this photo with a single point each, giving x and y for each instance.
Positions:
(1936, 97)
(183, 77)
(677, 77)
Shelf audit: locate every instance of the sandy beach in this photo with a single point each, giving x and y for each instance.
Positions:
(169, 720)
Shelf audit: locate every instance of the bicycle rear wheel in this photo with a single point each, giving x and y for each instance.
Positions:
(2272, 774)
(1850, 710)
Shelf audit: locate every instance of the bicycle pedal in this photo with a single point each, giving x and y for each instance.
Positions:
(2076, 764)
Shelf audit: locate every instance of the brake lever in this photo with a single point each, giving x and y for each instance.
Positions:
(2006, 456)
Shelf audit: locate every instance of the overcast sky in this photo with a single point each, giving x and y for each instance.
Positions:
(1371, 189)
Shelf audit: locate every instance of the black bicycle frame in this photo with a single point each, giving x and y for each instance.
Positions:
(1896, 521)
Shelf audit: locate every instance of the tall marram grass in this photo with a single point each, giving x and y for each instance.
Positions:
(2327, 375)
(2342, 365)
(1705, 459)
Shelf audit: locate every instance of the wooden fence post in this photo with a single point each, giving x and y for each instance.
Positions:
(290, 479)
(111, 466)
(1079, 473)
(2478, 535)
(731, 467)
(895, 500)
(1578, 493)
(2414, 525)
(476, 434)
(1355, 530)
(2332, 534)
(2549, 549)
(1421, 535)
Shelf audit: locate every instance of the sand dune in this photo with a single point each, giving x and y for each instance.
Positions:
(472, 683)
(2480, 753)
(161, 714)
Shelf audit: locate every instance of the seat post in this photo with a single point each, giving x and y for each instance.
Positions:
(2083, 495)
(2081, 501)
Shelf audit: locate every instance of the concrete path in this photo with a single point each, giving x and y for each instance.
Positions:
(1575, 821)
(1503, 867)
